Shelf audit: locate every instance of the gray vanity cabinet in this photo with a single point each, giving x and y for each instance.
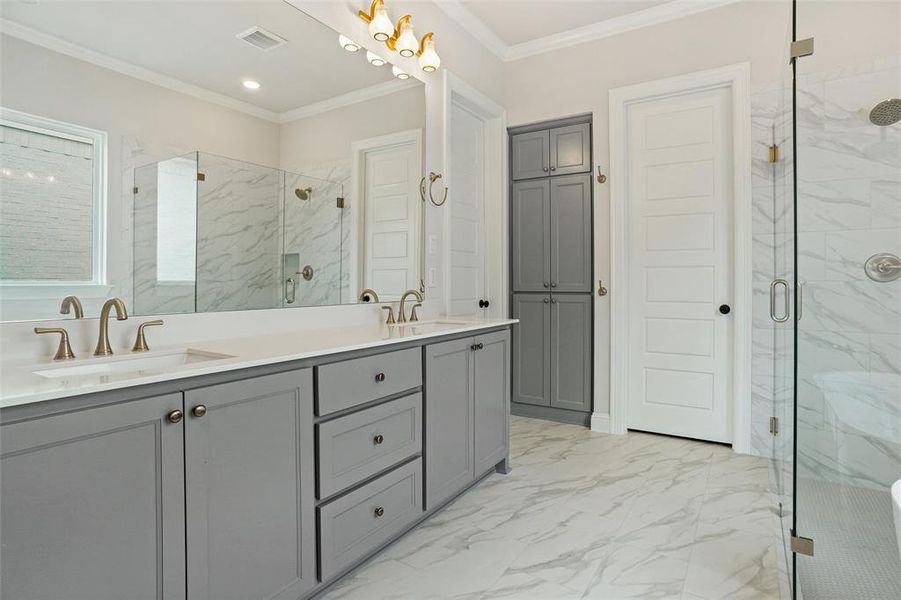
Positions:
(530, 155)
(467, 402)
(570, 345)
(93, 504)
(570, 149)
(570, 233)
(532, 349)
(250, 488)
(531, 235)
(448, 419)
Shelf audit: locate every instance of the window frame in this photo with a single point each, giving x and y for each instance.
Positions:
(99, 143)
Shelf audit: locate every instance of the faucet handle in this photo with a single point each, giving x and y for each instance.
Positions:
(390, 320)
(140, 340)
(64, 350)
(413, 315)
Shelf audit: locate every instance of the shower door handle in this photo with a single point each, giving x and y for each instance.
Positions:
(290, 290)
(787, 305)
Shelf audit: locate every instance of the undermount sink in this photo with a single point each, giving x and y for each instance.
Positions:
(429, 326)
(130, 365)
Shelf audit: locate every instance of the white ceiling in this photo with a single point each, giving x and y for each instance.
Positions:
(527, 20)
(195, 43)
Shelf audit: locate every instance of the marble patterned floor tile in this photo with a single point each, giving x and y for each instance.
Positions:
(728, 563)
(586, 515)
(630, 572)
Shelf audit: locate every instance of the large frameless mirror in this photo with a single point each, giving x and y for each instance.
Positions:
(188, 164)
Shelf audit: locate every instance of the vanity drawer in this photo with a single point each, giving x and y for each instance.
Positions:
(359, 445)
(350, 382)
(367, 518)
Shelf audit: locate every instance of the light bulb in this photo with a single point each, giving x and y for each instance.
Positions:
(381, 26)
(429, 60)
(348, 44)
(400, 74)
(374, 59)
(250, 84)
(407, 44)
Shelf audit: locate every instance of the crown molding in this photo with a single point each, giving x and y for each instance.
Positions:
(675, 9)
(457, 11)
(56, 44)
(355, 97)
(131, 70)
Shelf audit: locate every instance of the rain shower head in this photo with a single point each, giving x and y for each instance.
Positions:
(886, 113)
(303, 194)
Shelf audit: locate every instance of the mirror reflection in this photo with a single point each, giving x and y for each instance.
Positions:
(190, 165)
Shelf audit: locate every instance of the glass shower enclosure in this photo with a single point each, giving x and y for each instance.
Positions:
(843, 234)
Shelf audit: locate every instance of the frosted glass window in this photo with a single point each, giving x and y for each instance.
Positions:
(176, 220)
(48, 206)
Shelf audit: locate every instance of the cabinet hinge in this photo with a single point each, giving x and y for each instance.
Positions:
(802, 545)
(201, 176)
(801, 48)
(774, 153)
(134, 190)
(340, 202)
(774, 426)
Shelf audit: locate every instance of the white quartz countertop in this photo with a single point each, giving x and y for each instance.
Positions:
(22, 382)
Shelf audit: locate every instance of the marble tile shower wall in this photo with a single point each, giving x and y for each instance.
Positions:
(849, 208)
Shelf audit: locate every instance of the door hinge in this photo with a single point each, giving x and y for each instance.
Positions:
(801, 48)
(774, 153)
(774, 426)
(201, 176)
(134, 190)
(802, 545)
(340, 202)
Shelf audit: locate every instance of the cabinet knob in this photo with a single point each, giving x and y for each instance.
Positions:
(199, 410)
(377, 440)
(379, 512)
(553, 301)
(553, 284)
(380, 377)
(175, 416)
(553, 168)
(546, 284)
(480, 346)
(546, 300)
(544, 169)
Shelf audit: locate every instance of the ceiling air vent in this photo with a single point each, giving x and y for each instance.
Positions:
(261, 39)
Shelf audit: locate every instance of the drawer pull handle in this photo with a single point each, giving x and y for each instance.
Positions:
(380, 377)
(379, 512)
(199, 410)
(175, 416)
(377, 440)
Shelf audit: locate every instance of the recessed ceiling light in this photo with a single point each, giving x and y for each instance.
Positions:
(250, 84)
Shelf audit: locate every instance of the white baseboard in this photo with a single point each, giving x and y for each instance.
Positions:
(600, 422)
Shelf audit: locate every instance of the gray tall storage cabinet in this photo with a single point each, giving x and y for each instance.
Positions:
(551, 269)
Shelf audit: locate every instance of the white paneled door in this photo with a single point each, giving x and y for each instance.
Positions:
(467, 212)
(390, 213)
(680, 257)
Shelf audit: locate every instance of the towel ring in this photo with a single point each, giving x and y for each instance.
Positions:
(433, 177)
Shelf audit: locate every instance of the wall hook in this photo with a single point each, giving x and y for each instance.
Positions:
(433, 177)
(601, 177)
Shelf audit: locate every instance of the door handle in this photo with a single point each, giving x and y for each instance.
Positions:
(787, 305)
(602, 291)
(290, 290)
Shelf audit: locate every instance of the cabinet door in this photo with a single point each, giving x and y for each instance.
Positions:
(532, 349)
(571, 352)
(92, 504)
(571, 246)
(491, 387)
(570, 149)
(530, 236)
(530, 154)
(250, 504)
(448, 419)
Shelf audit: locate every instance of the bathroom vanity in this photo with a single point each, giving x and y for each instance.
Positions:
(267, 475)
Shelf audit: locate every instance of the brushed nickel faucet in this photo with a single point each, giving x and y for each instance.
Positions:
(402, 317)
(72, 302)
(141, 340)
(103, 348)
(64, 350)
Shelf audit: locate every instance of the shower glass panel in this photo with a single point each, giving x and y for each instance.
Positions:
(848, 335)
(316, 250)
(165, 226)
(238, 235)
